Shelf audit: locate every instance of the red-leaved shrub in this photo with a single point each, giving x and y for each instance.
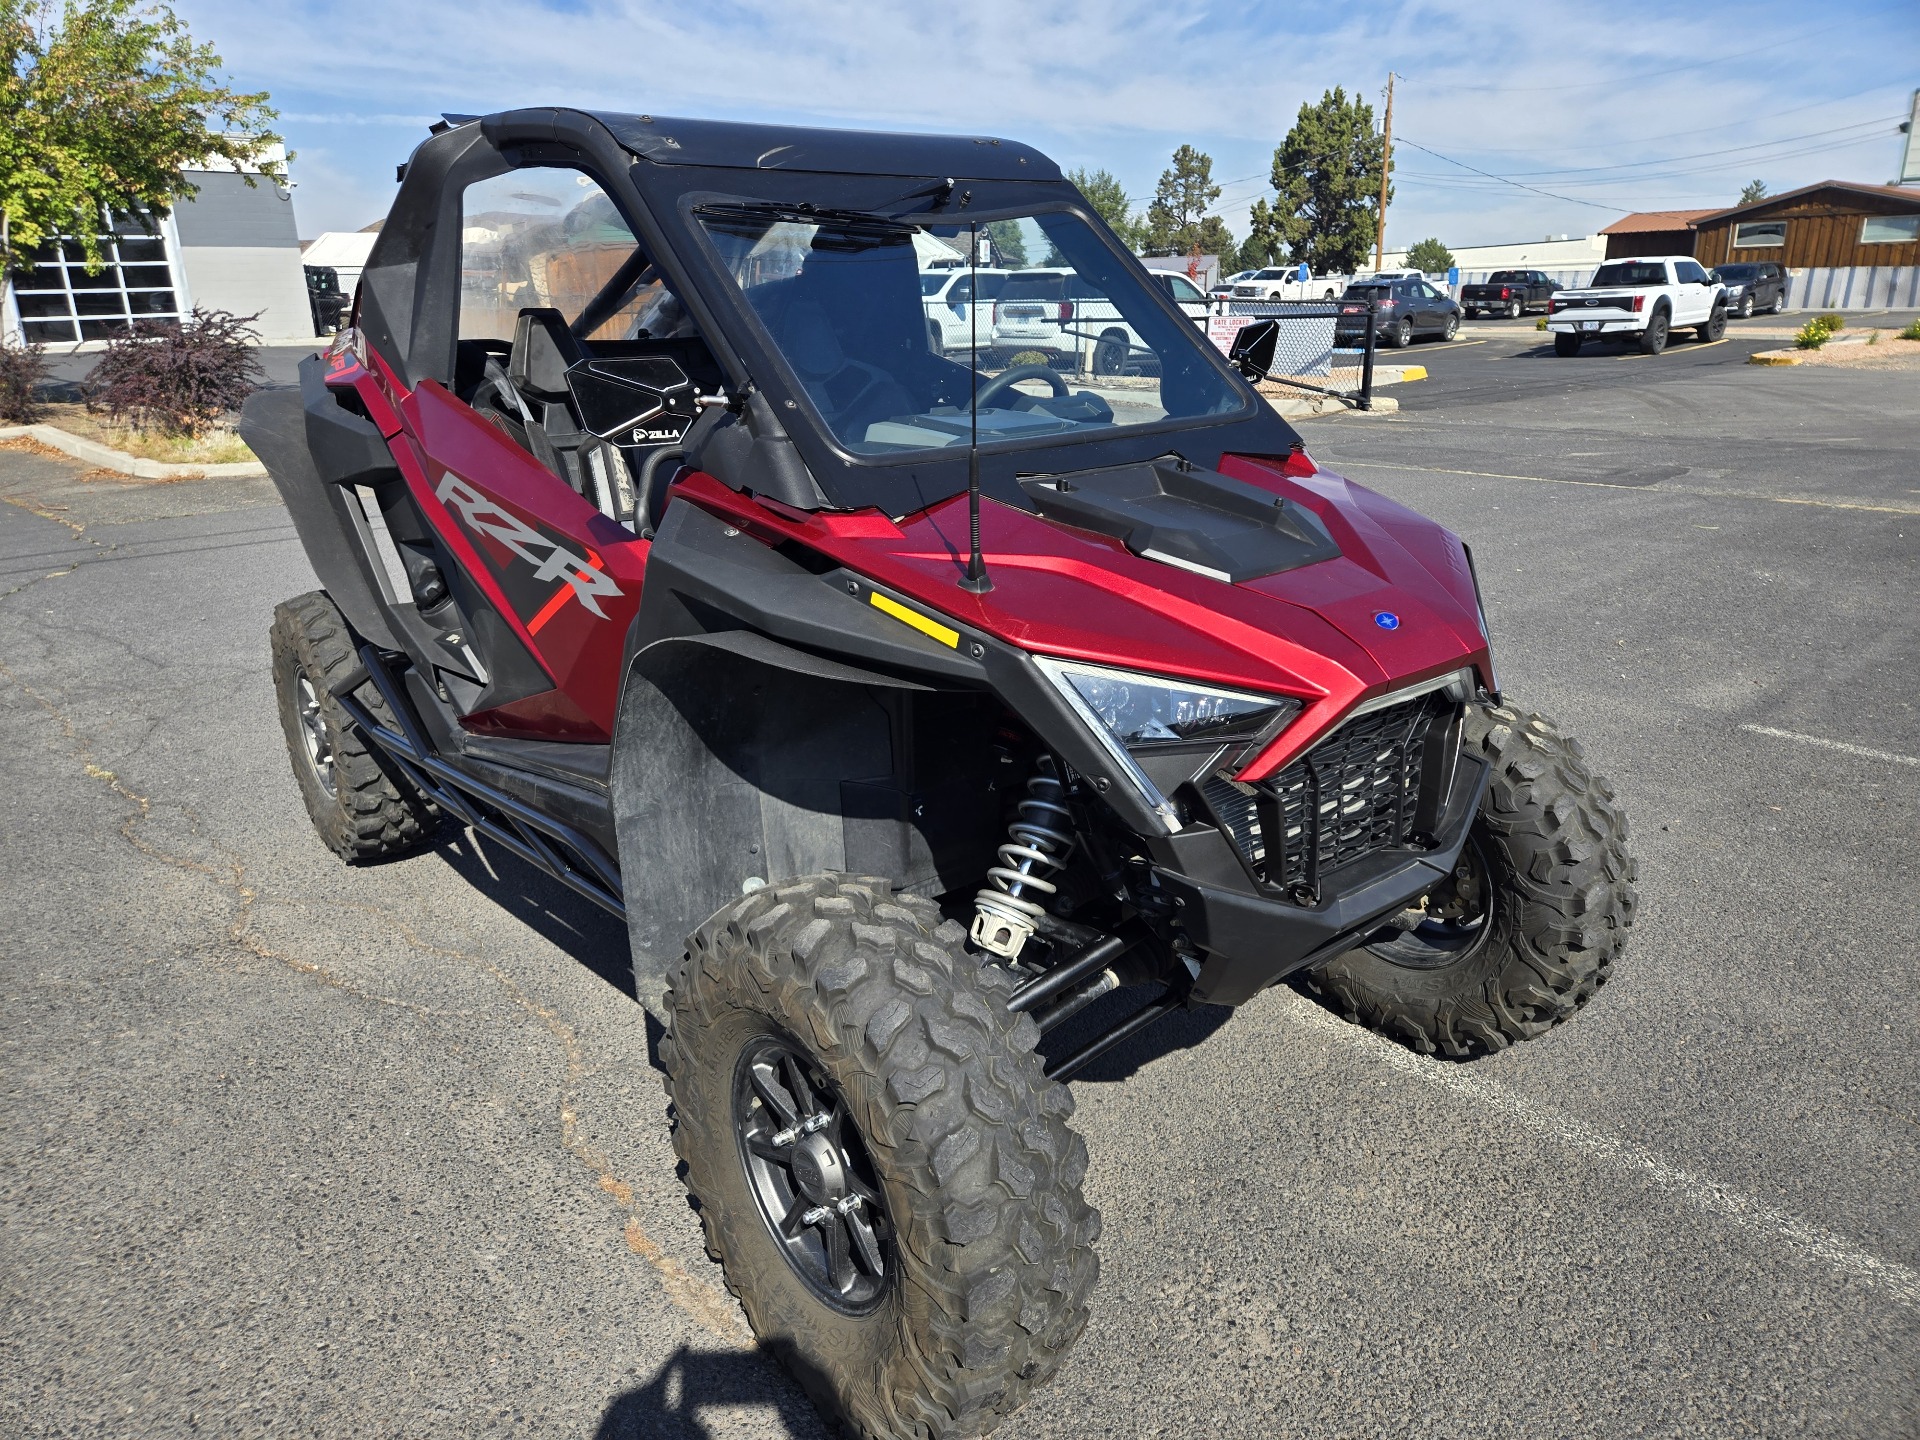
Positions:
(178, 379)
(23, 369)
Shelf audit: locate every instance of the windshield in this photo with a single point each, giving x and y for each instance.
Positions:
(1075, 345)
(1736, 272)
(934, 283)
(1631, 273)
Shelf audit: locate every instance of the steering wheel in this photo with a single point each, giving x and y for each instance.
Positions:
(1007, 379)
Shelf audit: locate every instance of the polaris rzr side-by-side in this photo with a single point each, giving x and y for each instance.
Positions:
(905, 697)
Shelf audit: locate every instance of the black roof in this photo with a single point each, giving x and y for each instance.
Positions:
(731, 145)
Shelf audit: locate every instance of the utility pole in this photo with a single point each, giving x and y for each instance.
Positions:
(1386, 164)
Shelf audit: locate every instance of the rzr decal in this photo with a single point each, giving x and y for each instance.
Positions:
(552, 560)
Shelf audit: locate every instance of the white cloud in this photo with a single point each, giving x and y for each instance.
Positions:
(1505, 86)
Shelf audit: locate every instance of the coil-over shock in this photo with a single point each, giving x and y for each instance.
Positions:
(1039, 841)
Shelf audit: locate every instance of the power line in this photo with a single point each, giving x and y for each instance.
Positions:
(1612, 209)
(1705, 154)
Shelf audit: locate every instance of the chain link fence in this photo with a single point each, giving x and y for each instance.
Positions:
(1324, 347)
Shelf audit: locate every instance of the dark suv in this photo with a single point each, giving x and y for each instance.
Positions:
(1754, 287)
(1408, 308)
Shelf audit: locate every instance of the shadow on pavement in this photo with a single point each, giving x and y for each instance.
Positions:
(568, 921)
(668, 1406)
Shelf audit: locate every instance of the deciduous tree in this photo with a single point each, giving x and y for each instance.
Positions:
(1108, 197)
(1429, 256)
(101, 104)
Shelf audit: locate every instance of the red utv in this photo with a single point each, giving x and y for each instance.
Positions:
(904, 700)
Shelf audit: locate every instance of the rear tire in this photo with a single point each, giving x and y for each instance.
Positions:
(1550, 846)
(1565, 344)
(1401, 335)
(986, 1244)
(1514, 309)
(1654, 338)
(363, 809)
(1110, 353)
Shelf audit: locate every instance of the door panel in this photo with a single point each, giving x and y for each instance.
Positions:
(565, 577)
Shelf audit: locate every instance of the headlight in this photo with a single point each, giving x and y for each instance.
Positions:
(1161, 731)
(1735, 289)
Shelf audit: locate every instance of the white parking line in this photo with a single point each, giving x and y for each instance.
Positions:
(1825, 744)
(1898, 1282)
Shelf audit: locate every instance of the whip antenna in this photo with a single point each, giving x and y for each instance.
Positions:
(976, 577)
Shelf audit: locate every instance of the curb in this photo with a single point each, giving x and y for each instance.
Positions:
(1773, 357)
(107, 458)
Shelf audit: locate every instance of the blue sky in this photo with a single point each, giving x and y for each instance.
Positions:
(1606, 108)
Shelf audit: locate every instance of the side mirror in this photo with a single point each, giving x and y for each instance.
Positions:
(1253, 348)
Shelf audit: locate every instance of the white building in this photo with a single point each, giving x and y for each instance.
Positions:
(229, 247)
(342, 251)
(1554, 254)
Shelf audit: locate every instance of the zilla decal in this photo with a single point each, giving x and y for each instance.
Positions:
(551, 560)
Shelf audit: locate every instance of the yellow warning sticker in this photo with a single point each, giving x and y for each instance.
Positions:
(926, 625)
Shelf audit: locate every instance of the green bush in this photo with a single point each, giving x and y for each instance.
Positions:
(1912, 332)
(1541, 323)
(1832, 321)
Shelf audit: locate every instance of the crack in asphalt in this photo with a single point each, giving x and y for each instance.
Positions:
(699, 1299)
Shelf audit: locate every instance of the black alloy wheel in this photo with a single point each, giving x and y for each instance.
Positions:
(1654, 338)
(1453, 926)
(811, 1176)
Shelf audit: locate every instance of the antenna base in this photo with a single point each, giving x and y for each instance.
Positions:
(977, 584)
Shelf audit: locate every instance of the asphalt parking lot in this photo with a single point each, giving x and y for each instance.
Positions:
(297, 1150)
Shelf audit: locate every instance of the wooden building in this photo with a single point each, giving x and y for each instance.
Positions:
(1652, 232)
(1835, 224)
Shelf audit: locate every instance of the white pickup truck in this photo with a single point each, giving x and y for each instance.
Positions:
(1644, 299)
(1283, 282)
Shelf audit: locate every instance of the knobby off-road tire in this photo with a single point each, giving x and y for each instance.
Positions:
(966, 1137)
(1715, 327)
(1553, 846)
(1653, 339)
(361, 810)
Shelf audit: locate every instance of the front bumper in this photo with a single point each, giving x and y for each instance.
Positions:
(1252, 940)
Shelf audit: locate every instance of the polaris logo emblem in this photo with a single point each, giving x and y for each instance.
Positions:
(550, 559)
(1387, 620)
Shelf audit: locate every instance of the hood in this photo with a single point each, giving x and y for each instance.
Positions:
(1394, 607)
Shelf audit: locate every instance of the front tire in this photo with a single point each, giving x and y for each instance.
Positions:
(983, 1241)
(1746, 307)
(1540, 909)
(1110, 353)
(362, 810)
(1715, 327)
(1452, 328)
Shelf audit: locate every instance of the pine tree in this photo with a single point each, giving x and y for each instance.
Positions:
(1327, 177)
(1177, 220)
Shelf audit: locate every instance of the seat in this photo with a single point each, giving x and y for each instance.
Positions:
(543, 348)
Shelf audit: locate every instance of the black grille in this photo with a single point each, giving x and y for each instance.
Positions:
(1353, 794)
